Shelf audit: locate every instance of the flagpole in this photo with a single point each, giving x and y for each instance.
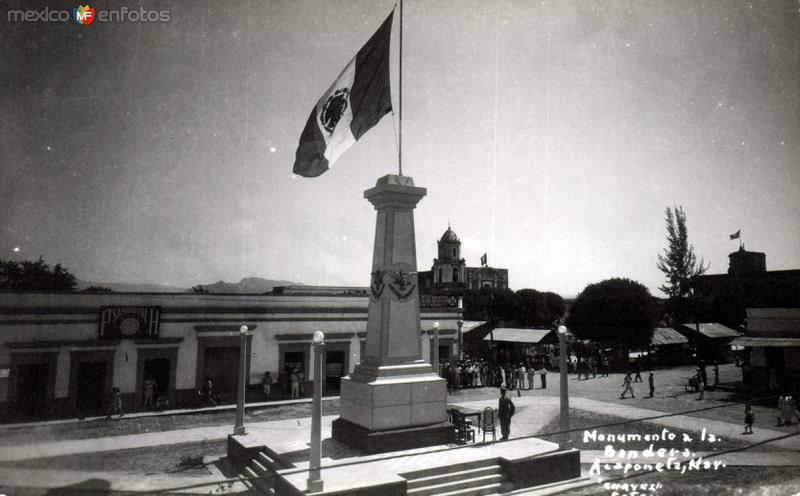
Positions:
(400, 98)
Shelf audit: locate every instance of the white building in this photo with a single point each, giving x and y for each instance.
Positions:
(61, 353)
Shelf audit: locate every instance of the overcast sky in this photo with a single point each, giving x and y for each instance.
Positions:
(550, 134)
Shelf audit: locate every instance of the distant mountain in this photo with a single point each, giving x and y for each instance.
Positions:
(126, 287)
(248, 285)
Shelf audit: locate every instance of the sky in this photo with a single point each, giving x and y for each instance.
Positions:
(551, 135)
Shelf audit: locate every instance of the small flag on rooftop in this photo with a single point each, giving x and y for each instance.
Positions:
(737, 234)
(483, 259)
(353, 104)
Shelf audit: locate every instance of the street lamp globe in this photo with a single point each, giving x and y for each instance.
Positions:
(319, 337)
(243, 329)
(562, 329)
(435, 326)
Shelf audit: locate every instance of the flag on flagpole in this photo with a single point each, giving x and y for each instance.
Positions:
(483, 259)
(353, 104)
(737, 234)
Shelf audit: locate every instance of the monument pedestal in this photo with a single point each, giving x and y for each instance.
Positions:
(393, 399)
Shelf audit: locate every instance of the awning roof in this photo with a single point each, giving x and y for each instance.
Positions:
(713, 330)
(510, 335)
(758, 342)
(667, 335)
(470, 325)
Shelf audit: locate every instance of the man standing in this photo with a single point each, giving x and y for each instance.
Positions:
(505, 410)
(651, 384)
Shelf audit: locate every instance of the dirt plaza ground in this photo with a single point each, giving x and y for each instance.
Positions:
(182, 452)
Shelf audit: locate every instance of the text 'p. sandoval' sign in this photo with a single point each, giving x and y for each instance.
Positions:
(129, 322)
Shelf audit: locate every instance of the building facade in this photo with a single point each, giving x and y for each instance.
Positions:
(747, 284)
(449, 272)
(62, 353)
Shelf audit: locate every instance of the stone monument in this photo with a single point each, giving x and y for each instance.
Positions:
(393, 399)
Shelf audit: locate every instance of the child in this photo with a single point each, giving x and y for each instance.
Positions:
(749, 419)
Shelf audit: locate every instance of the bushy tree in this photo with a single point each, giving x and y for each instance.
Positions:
(490, 304)
(616, 311)
(537, 309)
(35, 276)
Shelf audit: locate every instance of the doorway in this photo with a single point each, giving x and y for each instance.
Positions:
(158, 369)
(334, 370)
(32, 382)
(222, 367)
(90, 395)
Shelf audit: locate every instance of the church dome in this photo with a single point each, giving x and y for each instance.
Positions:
(449, 237)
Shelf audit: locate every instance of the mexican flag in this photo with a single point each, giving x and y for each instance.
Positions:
(355, 102)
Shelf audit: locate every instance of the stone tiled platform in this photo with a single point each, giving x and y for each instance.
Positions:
(520, 462)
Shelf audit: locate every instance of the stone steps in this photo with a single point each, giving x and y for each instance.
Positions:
(466, 479)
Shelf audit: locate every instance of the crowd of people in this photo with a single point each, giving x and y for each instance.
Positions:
(470, 373)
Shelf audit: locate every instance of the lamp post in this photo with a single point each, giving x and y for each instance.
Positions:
(563, 419)
(460, 325)
(315, 483)
(238, 429)
(435, 350)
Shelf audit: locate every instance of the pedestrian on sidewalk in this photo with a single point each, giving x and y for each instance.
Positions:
(505, 410)
(749, 419)
(266, 382)
(638, 368)
(115, 407)
(702, 388)
(627, 384)
(716, 374)
(294, 379)
(651, 384)
(544, 378)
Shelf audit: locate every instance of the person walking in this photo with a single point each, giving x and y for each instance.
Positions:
(638, 369)
(627, 384)
(115, 407)
(749, 419)
(651, 384)
(505, 410)
(716, 374)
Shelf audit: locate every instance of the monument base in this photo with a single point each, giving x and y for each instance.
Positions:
(371, 441)
(389, 402)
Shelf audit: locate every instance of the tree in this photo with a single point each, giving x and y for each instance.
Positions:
(199, 289)
(97, 289)
(616, 311)
(679, 264)
(35, 276)
(537, 309)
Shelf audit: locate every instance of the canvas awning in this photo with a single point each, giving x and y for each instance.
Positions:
(760, 342)
(511, 335)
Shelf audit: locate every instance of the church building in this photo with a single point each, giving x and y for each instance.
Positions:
(450, 273)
